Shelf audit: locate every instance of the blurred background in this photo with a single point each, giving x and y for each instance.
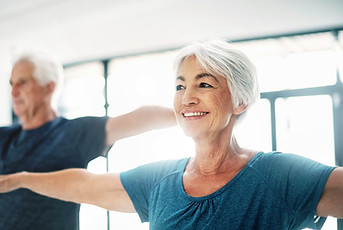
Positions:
(118, 56)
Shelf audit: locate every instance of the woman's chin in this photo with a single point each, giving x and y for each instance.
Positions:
(193, 133)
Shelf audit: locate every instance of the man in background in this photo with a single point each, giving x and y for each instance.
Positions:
(43, 141)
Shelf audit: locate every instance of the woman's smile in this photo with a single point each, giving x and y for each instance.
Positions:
(194, 114)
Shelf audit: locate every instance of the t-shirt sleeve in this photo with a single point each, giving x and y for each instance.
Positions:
(91, 136)
(301, 182)
(139, 182)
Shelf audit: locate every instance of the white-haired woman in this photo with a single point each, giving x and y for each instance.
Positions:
(224, 186)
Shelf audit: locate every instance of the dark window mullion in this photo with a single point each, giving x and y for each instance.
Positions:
(105, 63)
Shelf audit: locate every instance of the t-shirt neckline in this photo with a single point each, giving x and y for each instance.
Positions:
(222, 189)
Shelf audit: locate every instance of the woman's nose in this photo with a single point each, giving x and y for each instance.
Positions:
(190, 97)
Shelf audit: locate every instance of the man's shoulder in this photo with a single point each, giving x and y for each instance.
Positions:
(5, 130)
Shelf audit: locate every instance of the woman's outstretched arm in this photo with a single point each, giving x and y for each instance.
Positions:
(74, 185)
(331, 201)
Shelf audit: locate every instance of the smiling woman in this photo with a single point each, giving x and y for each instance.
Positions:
(198, 97)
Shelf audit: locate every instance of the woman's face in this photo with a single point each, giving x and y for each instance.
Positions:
(202, 101)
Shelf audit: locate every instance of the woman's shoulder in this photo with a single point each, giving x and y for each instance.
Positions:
(166, 165)
(274, 156)
(151, 173)
(283, 162)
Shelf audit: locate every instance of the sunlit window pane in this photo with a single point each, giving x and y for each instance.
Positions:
(270, 71)
(305, 127)
(254, 131)
(83, 91)
(140, 80)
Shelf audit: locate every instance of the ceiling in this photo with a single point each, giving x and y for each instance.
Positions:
(81, 30)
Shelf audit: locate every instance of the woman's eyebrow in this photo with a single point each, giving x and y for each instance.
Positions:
(180, 78)
(201, 75)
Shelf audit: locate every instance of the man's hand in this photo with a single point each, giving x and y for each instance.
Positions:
(10, 182)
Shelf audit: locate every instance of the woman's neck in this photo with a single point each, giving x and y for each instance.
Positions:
(217, 157)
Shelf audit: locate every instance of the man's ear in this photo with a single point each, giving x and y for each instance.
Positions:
(240, 109)
(50, 88)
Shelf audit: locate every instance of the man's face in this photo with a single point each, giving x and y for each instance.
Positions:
(27, 95)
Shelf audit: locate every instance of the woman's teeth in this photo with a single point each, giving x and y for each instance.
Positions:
(194, 114)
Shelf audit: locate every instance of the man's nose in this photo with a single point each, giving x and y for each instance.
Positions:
(14, 90)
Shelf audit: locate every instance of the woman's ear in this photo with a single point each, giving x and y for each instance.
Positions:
(240, 109)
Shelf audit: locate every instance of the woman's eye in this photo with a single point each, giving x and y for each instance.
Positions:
(179, 87)
(205, 85)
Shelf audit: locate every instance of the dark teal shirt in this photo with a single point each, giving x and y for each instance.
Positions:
(274, 191)
(56, 145)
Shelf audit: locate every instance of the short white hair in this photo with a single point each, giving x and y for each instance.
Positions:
(47, 68)
(221, 57)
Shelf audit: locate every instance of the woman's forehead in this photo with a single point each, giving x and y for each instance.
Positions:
(193, 66)
(190, 64)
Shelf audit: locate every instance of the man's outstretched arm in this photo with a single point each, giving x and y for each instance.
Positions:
(141, 120)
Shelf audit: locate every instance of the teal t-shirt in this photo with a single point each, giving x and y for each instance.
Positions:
(274, 191)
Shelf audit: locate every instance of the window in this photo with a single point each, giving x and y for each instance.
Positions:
(305, 126)
(83, 91)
